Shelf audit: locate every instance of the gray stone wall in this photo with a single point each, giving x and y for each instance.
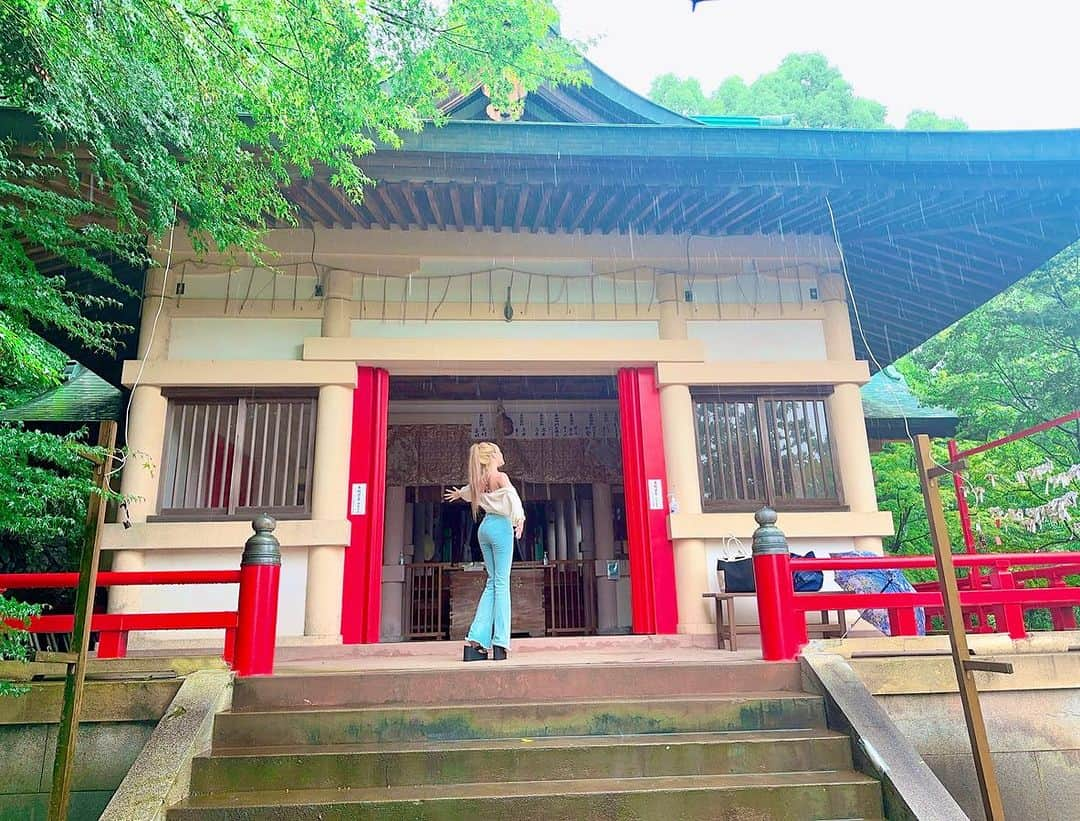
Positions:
(118, 718)
(105, 752)
(1034, 737)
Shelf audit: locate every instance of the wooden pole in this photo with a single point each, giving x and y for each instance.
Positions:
(64, 764)
(954, 623)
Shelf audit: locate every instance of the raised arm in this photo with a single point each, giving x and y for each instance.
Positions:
(455, 494)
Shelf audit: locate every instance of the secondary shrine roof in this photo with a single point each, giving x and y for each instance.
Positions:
(83, 396)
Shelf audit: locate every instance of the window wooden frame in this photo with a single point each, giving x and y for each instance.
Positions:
(759, 399)
(232, 510)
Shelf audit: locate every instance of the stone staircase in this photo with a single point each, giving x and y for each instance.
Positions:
(492, 741)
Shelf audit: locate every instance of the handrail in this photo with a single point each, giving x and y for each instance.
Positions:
(250, 629)
(956, 456)
(117, 578)
(786, 630)
(1020, 434)
(1032, 596)
(920, 562)
(1000, 594)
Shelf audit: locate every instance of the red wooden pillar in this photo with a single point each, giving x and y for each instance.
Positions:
(257, 605)
(782, 622)
(652, 562)
(362, 588)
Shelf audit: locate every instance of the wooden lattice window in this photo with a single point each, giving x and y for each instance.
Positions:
(765, 449)
(228, 457)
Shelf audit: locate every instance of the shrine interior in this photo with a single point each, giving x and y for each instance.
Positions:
(560, 440)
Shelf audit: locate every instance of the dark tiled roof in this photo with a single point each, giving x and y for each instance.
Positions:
(82, 397)
(887, 401)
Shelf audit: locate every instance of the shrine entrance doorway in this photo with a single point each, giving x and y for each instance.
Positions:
(561, 440)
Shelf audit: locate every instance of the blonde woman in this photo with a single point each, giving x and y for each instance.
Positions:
(504, 518)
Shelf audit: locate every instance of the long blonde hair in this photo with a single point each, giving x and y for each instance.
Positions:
(481, 456)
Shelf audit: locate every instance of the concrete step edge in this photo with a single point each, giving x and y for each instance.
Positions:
(802, 735)
(538, 789)
(765, 695)
(518, 669)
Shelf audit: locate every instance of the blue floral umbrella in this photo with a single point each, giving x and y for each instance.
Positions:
(877, 581)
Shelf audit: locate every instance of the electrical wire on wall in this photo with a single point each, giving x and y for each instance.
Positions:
(121, 455)
(862, 332)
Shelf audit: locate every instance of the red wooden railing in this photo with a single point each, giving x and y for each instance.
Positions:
(783, 611)
(250, 629)
(956, 455)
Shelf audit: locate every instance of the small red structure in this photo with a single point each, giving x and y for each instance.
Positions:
(250, 630)
(956, 455)
(782, 611)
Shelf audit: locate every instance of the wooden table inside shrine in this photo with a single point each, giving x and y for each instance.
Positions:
(466, 583)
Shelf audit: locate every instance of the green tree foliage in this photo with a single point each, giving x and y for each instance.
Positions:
(1009, 365)
(14, 642)
(202, 111)
(682, 95)
(923, 120)
(45, 481)
(804, 86)
(126, 117)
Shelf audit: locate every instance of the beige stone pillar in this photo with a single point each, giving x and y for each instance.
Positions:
(145, 429)
(672, 314)
(326, 563)
(680, 457)
(680, 454)
(848, 424)
(333, 428)
(607, 610)
(393, 577)
(337, 304)
(155, 318)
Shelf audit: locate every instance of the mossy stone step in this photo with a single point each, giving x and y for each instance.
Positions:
(520, 759)
(713, 713)
(776, 796)
(511, 682)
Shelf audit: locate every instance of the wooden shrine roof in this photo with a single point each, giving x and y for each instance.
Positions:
(931, 224)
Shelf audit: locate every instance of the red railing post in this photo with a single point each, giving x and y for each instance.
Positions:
(903, 621)
(782, 625)
(112, 644)
(256, 618)
(961, 500)
(1013, 614)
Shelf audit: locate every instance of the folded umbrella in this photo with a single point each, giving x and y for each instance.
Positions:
(877, 581)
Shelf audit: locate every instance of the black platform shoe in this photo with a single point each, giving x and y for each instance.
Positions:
(474, 652)
(499, 653)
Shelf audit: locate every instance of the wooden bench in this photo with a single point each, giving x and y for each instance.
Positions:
(727, 630)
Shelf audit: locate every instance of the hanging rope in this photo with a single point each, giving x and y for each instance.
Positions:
(557, 288)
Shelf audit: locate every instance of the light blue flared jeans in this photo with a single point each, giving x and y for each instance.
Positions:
(492, 622)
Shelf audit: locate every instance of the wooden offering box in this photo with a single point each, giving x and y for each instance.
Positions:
(526, 598)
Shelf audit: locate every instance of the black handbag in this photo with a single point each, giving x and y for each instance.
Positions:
(738, 575)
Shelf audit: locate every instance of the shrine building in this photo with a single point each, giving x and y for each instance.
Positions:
(664, 323)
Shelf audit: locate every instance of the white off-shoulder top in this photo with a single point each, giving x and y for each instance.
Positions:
(503, 501)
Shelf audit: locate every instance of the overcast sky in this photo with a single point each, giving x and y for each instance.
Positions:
(998, 64)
